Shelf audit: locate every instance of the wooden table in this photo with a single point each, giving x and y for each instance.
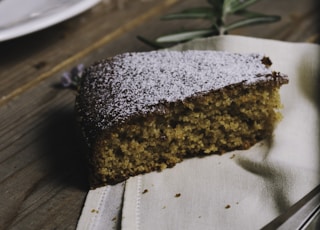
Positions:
(42, 169)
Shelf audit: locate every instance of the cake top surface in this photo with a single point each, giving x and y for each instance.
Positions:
(132, 83)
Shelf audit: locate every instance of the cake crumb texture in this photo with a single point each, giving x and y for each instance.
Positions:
(215, 123)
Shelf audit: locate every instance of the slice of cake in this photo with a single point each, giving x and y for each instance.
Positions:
(141, 112)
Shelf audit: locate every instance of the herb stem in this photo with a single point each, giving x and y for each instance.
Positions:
(218, 13)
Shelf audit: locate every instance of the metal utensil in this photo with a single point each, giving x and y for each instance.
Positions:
(305, 214)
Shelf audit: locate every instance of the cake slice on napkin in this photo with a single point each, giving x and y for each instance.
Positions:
(141, 112)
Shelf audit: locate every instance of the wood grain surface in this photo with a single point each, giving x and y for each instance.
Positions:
(43, 178)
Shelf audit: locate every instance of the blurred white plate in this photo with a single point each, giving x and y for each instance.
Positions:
(18, 17)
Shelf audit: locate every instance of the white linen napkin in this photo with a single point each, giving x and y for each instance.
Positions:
(239, 189)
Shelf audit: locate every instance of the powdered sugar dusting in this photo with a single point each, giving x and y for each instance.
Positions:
(134, 83)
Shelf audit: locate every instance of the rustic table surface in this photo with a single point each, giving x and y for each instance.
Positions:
(42, 169)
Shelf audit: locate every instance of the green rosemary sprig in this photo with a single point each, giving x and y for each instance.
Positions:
(218, 13)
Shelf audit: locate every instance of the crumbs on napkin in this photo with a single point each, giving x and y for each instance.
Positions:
(94, 211)
(177, 195)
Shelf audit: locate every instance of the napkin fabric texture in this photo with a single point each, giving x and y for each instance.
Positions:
(240, 189)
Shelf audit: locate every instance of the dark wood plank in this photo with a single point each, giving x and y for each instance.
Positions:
(27, 60)
(42, 169)
(299, 23)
